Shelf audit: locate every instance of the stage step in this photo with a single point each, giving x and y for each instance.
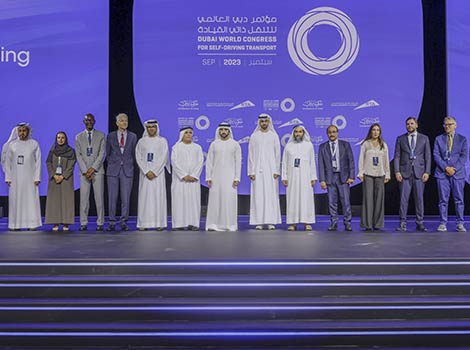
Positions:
(264, 305)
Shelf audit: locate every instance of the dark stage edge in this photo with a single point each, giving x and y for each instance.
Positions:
(246, 244)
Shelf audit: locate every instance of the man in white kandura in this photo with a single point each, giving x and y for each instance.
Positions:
(299, 175)
(151, 154)
(21, 161)
(264, 162)
(187, 160)
(223, 167)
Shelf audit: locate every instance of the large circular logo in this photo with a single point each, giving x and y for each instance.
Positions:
(305, 59)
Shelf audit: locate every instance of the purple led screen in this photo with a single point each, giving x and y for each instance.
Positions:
(348, 63)
(458, 65)
(54, 69)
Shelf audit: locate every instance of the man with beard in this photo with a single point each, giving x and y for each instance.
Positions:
(22, 166)
(336, 171)
(264, 160)
(223, 167)
(412, 163)
(299, 175)
(187, 161)
(151, 154)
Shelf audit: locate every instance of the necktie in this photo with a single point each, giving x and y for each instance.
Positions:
(89, 138)
(333, 158)
(450, 141)
(413, 142)
(121, 143)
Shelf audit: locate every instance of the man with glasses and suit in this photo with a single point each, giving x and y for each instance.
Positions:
(450, 154)
(336, 173)
(120, 154)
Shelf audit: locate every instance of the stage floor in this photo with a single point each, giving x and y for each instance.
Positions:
(245, 245)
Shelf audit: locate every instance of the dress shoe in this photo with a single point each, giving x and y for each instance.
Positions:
(177, 229)
(333, 227)
(421, 228)
(99, 228)
(83, 228)
(193, 228)
(112, 227)
(347, 226)
(402, 227)
(124, 227)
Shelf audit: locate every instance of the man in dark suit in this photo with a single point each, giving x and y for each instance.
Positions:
(336, 174)
(412, 163)
(120, 154)
(450, 154)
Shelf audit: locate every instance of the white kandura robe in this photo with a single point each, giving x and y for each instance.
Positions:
(264, 160)
(24, 210)
(299, 192)
(223, 166)
(186, 159)
(152, 211)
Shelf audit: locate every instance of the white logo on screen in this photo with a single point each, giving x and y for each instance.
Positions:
(368, 104)
(202, 123)
(285, 139)
(339, 121)
(244, 104)
(295, 121)
(246, 139)
(305, 59)
(287, 105)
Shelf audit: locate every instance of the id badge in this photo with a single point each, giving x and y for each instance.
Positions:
(20, 160)
(296, 162)
(89, 151)
(335, 164)
(149, 157)
(58, 170)
(375, 161)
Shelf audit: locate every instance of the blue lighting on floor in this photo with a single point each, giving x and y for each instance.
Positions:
(277, 334)
(232, 263)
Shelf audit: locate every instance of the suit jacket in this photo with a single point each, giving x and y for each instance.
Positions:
(116, 159)
(94, 161)
(457, 159)
(346, 162)
(408, 167)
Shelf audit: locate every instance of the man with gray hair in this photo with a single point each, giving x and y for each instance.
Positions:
(450, 153)
(120, 154)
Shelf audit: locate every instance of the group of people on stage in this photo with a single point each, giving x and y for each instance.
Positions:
(21, 162)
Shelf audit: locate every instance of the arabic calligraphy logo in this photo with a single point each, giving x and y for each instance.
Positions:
(305, 59)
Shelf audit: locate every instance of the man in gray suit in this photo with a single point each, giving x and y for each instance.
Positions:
(336, 173)
(120, 154)
(412, 163)
(89, 147)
